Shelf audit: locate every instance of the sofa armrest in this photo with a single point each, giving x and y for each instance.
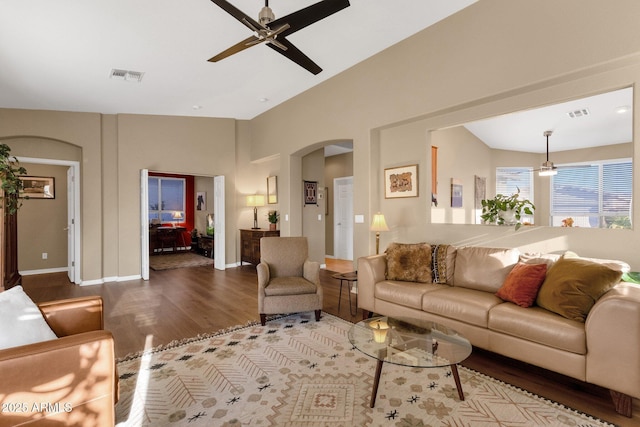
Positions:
(71, 380)
(612, 330)
(74, 316)
(371, 270)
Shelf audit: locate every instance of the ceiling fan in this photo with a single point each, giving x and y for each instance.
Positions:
(273, 31)
(547, 168)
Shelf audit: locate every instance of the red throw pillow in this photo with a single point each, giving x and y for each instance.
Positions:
(522, 284)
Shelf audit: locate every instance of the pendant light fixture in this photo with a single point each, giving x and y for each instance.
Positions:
(547, 168)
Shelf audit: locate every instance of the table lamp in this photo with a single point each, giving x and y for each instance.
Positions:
(177, 217)
(255, 200)
(378, 224)
(380, 329)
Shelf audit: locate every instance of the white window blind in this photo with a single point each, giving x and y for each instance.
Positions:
(511, 180)
(594, 194)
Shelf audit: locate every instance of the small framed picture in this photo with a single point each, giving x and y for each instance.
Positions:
(38, 187)
(401, 182)
(201, 200)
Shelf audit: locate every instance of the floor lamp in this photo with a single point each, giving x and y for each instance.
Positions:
(255, 200)
(378, 224)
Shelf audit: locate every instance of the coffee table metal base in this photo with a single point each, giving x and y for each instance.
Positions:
(376, 382)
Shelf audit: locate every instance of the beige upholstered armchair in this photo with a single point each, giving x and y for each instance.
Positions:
(287, 281)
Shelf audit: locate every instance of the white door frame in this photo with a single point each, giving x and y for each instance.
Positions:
(219, 240)
(73, 215)
(219, 223)
(144, 223)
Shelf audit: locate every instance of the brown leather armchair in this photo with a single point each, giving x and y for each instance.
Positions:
(69, 381)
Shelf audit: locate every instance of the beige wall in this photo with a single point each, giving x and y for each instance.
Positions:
(492, 58)
(313, 218)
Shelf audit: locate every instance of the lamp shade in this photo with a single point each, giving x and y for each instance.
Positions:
(177, 215)
(255, 200)
(379, 223)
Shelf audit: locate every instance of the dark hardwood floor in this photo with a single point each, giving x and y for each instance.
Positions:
(182, 303)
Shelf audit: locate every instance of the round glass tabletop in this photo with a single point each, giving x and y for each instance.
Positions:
(409, 342)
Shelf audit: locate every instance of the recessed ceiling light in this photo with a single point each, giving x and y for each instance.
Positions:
(197, 107)
(622, 109)
(264, 100)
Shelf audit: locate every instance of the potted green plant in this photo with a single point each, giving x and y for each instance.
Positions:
(10, 182)
(506, 210)
(273, 217)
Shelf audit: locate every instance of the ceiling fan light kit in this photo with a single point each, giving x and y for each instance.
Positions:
(273, 31)
(547, 168)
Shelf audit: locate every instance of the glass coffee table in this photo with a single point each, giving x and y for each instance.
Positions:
(409, 342)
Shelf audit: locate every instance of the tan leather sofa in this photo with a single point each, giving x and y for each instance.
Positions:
(69, 381)
(604, 350)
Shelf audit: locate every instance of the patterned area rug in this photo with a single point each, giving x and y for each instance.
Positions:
(298, 372)
(180, 260)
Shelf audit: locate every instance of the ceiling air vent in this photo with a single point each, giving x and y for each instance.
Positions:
(578, 113)
(126, 75)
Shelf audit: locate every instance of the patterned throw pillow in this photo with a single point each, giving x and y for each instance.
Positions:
(522, 284)
(409, 262)
(439, 263)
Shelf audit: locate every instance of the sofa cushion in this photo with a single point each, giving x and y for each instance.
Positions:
(443, 258)
(539, 325)
(22, 320)
(522, 284)
(466, 305)
(409, 262)
(484, 269)
(404, 293)
(573, 285)
(289, 285)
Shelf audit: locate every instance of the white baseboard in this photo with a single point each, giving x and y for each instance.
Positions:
(43, 271)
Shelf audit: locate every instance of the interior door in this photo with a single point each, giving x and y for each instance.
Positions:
(219, 242)
(343, 218)
(144, 223)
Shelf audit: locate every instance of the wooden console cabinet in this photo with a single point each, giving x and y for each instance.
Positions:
(250, 244)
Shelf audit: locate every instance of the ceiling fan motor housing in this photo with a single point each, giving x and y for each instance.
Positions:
(266, 15)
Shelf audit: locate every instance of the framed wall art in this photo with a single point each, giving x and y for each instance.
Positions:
(401, 182)
(311, 193)
(38, 187)
(201, 200)
(272, 190)
(456, 193)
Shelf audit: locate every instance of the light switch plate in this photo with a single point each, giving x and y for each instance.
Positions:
(359, 219)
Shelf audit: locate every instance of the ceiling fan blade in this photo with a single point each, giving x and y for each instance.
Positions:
(238, 14)
(294, 54)
(310, 14)
(238, 47)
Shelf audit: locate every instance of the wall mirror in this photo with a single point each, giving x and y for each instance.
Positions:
(589, 148)
(272, 190)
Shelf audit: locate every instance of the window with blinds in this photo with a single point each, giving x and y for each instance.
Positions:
(516, 180)
(166, 197)
(594, 194)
